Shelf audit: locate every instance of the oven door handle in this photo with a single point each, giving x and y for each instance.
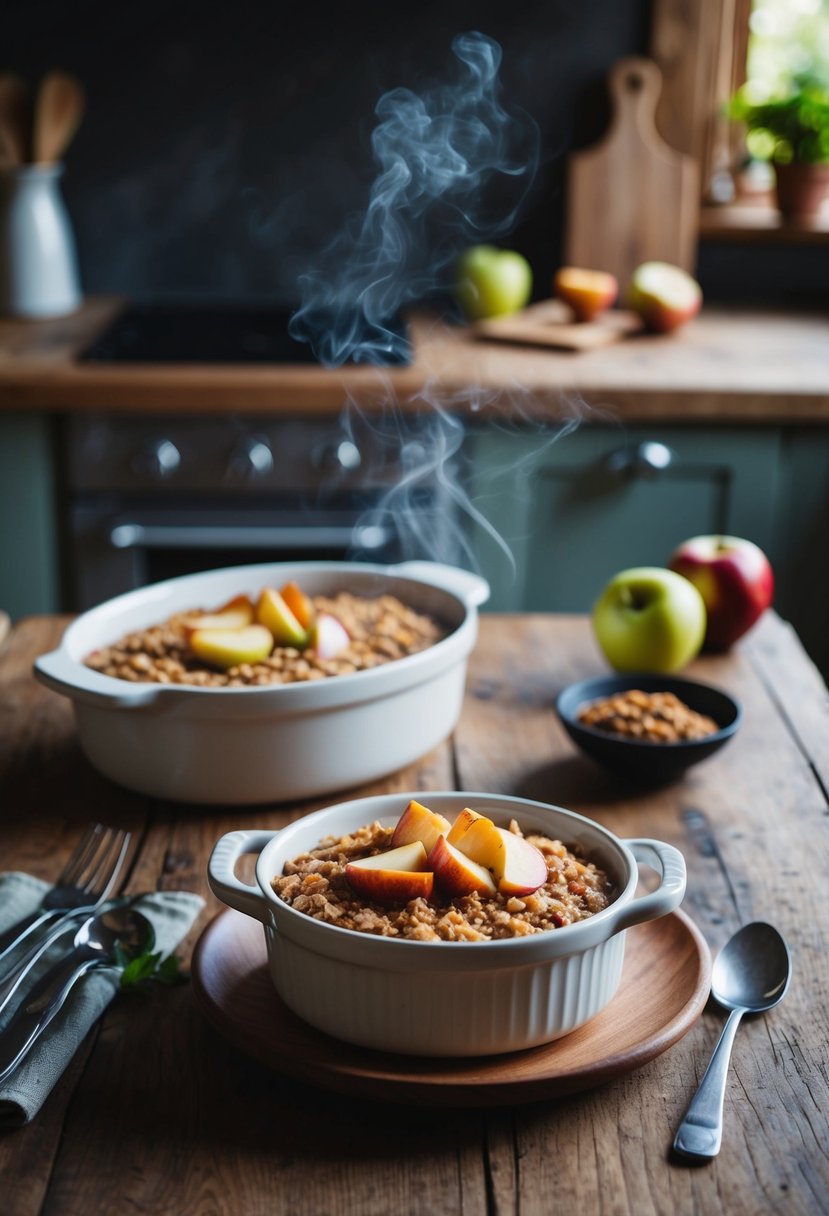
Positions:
(129, 535)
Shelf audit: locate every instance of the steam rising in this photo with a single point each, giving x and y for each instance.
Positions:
(454, 166)
(439, 153)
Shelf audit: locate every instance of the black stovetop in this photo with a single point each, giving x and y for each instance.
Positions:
(189, 333)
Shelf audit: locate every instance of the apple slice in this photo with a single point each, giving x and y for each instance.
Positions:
(395, 876)
(328, 636)
(588, 292)
(419, 823)
(525, 869)
(299, 603)
(456, 873)
(274, 613)
(516, 865)
(235, 614)
(229, 647)
(462, 824)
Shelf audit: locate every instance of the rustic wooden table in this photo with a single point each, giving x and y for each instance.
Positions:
(158, 1114)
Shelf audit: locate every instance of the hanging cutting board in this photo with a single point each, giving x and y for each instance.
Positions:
(630, 197)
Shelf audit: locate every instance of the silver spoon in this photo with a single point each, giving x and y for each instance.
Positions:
(117, 932)
(751, 975)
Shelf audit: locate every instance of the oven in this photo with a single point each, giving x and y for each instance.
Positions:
(155, 497)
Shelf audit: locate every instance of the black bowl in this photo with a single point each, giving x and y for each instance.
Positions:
(648, 763)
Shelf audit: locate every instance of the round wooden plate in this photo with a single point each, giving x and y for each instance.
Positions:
(665, 984)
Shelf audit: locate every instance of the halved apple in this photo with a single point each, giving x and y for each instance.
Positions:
(395, 876)
(588, 292)
(229, 647)
(299, 603)
(328, 636)
(419, 823)
(235, 614)
(274, 614)
(516, 865)
(456, 873)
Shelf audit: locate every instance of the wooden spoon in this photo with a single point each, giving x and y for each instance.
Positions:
(15, 120)
(59, 109)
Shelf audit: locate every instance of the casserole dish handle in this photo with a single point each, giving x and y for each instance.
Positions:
(470, 588)
(222, 878)
(668, 895)
(71, 679)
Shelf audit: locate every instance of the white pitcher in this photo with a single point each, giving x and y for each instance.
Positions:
(38, 261)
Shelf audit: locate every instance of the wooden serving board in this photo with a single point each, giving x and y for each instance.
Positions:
(551, 323)
(630, 197)
(665, 984)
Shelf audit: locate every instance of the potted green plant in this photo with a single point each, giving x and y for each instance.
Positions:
(793, 133)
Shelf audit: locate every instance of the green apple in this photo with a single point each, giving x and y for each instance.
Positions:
(492, 282)
(645, 620)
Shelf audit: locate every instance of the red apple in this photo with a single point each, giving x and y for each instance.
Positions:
(456, 873)
(588, 292)
(664, 296)
(735, 580)
(419, 823)
(395, 876)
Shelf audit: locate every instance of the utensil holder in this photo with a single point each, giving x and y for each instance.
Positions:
(38, 261)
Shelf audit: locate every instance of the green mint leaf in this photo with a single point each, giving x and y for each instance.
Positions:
(138, 969)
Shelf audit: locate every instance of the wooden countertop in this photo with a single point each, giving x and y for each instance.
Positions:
(727, 366)
(157, 1113)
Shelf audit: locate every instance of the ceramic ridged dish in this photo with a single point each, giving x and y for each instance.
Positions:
(446, 998)
(243, 746)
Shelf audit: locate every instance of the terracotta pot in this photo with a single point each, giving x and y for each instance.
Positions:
(801, 189)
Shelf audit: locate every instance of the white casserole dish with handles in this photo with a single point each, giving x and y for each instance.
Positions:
(446, 998)
(243, 746)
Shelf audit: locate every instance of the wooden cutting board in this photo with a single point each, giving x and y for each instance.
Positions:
(630, 197)
(551, 323)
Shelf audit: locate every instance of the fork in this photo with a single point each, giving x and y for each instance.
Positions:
(86, 881)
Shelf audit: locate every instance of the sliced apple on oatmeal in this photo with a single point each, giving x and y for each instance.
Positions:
(517, 866)
(235, 614)
(456, 873)
(396, 876)
(419, 823)
(462, 824)
(275, 615)
(227, 648)
(328, 636)
(299, 603)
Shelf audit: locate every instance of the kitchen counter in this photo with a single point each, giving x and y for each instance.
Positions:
(159, 1113)
(727, 366)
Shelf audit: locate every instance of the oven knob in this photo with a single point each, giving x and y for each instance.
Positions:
(251, 459)
(159, 460)
(340, 457)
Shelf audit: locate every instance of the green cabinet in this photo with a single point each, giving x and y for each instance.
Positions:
(28, 526)
(570, 507)
(573, 508)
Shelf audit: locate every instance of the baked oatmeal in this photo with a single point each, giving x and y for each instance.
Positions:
(649, 717)
(379, 631)
(315, 884)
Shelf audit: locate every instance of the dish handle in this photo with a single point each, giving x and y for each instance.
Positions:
(222, 878)
(469, 587)
(668, 895)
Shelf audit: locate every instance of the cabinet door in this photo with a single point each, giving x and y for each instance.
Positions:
(28, 544)
(574, 509)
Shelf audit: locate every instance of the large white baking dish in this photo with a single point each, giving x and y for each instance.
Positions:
(446, 998)
(253, 745)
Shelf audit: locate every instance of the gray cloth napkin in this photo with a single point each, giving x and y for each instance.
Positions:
(22, 1095)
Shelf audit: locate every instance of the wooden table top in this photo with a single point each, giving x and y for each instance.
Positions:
(157, 1113)
(729, 365)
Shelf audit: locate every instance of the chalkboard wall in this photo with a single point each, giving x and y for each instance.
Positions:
(225, 142)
